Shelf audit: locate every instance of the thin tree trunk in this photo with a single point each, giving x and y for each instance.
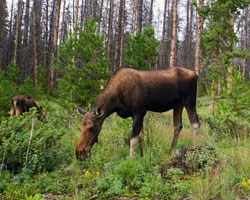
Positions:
(244, 45)
(212, 105)
(46, 33)
(151, 12)
(64, 26)
(118, 36)
(35, 43)
(172, 61)
(133, 28)
(54, 47)
(110, 28)
(25, 36)
(18, 29)
(162, 51)
(198, 58)
(122, 31)
(139, 17)
(100, 17)
(76, 14)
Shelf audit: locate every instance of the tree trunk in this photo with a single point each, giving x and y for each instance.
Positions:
(244, 41)
(76, 14)
(139, 17)
(100, 17)
(54, 47)
(110, 27)
(25, 39)
(151, 12)
(212, 105)
(35, 64)
(172, 61)
(122, 31)
(18, 29)
(162, 51)
(198, 58)
(118, 46)
(133, 28)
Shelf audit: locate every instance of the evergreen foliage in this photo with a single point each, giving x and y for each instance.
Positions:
(219, 38)
(141, 49)
(82, 65)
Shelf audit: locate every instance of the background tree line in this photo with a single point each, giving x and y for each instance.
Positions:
(79, 42)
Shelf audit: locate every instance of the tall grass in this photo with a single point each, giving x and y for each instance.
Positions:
(110, 174)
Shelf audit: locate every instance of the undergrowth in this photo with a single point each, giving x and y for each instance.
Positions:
(47, 164)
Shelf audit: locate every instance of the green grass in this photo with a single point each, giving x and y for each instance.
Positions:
(109, 173)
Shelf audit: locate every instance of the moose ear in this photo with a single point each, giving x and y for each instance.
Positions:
(80, 110)
(99, 111)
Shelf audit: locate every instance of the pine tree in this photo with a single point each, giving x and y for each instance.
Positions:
(141, 49)
(81, 81)
(219, 41)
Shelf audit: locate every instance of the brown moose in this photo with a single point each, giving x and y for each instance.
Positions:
(20, 104)
(131, 93)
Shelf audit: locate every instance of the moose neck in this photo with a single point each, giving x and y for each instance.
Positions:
(104, 102)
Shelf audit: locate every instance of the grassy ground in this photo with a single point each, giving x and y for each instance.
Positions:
(110, 174)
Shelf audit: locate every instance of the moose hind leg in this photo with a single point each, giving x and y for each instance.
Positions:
(141, 143)
(194, 121)
(177, 117)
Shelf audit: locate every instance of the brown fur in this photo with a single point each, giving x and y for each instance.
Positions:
(20, 104)
(131, 93)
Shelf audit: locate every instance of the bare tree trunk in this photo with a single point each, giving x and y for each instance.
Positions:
(139, 17)
(25, 37)
(172, 61)
(110, 28)
(18, 29)
(151, 12)
(35, 43)
(100, 17)
(46, 33)
(244, 45)
(230, 68)
(198, 58)
(119, 34)
(162, 51)
(64, 26)
(188, 36)
(122, 31)
(105, 27)
(54, 47)
(212, 105)
(76, 14)
(133, 28)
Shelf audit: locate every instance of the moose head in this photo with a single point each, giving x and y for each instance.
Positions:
(90, 128)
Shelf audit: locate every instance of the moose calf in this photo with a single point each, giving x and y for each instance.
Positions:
(20, 104)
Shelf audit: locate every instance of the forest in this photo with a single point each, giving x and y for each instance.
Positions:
(61, 53)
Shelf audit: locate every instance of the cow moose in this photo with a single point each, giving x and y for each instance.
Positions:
(131, 93)
(21, 104)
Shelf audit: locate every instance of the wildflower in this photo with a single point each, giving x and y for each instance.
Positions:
(244, 183)
(97, 174)
(87, 174)
(248, 181)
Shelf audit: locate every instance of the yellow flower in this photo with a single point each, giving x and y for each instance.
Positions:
(248, 181)
(97, 174)
(244, 183)
(87, 173)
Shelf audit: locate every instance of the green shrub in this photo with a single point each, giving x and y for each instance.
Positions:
(28, 144)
